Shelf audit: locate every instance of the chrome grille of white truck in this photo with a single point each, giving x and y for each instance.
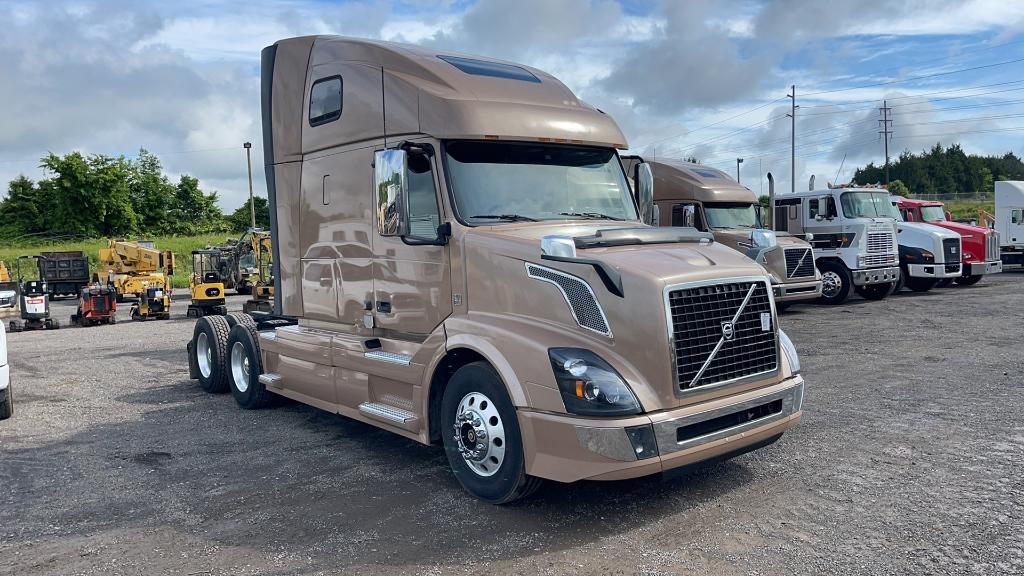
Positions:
(721, 332)
(879, 260)
(880, 242)
(799, 262)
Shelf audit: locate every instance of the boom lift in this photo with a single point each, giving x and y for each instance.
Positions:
(206, 285)
(140, 270)
(34, 299)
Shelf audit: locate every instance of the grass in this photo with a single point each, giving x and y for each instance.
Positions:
(968, 209)
(182, 246)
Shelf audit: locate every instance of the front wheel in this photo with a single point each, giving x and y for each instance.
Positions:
(875, 291)
(835, 282)
(481, 436)
(968, 280)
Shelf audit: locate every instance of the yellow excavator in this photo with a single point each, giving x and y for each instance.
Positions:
(206, 284)
(139, 269)
(256, 260)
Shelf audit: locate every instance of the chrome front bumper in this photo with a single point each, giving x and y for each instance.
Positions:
(934, 270)
(982, 268)
(875, 275)
(793, 291)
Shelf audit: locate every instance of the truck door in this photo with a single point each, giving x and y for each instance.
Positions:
(1015, 229)
(411, 278)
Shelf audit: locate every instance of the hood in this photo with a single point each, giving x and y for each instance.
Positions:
(511, 281)
(961, 229)
(924, 228)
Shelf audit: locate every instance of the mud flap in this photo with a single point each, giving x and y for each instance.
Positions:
(193, 370)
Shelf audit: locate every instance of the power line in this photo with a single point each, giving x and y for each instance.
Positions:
(915, 78)
(946, 91)
(756, 108)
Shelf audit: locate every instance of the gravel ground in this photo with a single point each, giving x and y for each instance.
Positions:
(908, 460)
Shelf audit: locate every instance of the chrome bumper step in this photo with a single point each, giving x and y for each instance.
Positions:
(386, 412)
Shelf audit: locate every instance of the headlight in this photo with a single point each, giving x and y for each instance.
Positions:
(589, 385)
(860, 261)
(790, 350)
(764, 238)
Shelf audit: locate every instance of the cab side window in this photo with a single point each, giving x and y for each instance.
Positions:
(325, 101)
(812, 208)
(424, 216)
(1017, 216)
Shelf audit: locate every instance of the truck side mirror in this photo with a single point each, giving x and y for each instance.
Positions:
(909, 216)
(645, 194)
(689, 215)
(822, 211)
(392, 192)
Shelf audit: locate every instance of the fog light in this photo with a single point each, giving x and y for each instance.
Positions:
(642, 439)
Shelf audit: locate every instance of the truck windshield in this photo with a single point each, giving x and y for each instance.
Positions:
(499, 181)
(868, 205)
(933, 214)
(721, 215)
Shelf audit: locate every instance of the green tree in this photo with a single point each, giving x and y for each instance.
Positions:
(152, 195)
(898, 188)
(21, 212)
(193, 210)
(240, 220)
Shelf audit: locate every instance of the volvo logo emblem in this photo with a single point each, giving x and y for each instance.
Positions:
(727, 330)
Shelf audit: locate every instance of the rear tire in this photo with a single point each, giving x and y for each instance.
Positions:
(7, 403)
(245, 366)
(503, 448)
(235, 318)
(210, 349)
(968, 280)
(875, 291)
(836, 281)
(944, 283)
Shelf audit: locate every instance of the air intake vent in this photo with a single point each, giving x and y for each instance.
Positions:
(578, 295)
(880, 242)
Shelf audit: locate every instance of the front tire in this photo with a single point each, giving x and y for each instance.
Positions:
(210, 350)
(968, 280)
(481, 436)
(245, 367)
(836, 281)
(875, 291)
(6, 403)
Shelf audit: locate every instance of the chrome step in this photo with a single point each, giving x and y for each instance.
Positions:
(391, 357)
(270, 379)
(378, 410)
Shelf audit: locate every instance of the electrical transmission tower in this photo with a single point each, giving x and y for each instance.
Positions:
(886, 123)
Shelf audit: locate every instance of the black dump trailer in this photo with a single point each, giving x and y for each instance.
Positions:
(66, 273)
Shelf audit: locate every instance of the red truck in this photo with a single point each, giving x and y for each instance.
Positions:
(980, 245)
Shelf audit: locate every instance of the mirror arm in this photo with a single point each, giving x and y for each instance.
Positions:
(421, 147)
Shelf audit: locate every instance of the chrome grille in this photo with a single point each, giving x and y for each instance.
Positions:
(992, 247)
(950, 250)
(879, 260)
(578, 295)
(880, 242)
(704, 355)
(799, 262)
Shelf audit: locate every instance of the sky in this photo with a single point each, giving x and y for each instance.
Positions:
(682, 78)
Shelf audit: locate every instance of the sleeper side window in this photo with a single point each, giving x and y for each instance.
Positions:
(1018, 216)
(424, 216)
(325, 101)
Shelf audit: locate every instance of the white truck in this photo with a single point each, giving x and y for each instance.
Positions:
(853, 233)
(1010, 221)
(928, 253)
(6, 398)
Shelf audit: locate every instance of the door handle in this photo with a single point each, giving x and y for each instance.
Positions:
(323, 190)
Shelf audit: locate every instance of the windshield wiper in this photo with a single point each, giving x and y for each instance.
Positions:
(508, 217)
(591, 215)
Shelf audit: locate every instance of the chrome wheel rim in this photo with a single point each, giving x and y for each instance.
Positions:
(240, 367)
(831, 284)
(480, 434)
(204, 355)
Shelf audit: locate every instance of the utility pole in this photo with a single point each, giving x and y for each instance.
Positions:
(738, 162)
(248, 160)
(792, 139)
(886, 132)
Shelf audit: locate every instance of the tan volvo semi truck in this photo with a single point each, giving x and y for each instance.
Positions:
(689, 194)
(459, 260)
